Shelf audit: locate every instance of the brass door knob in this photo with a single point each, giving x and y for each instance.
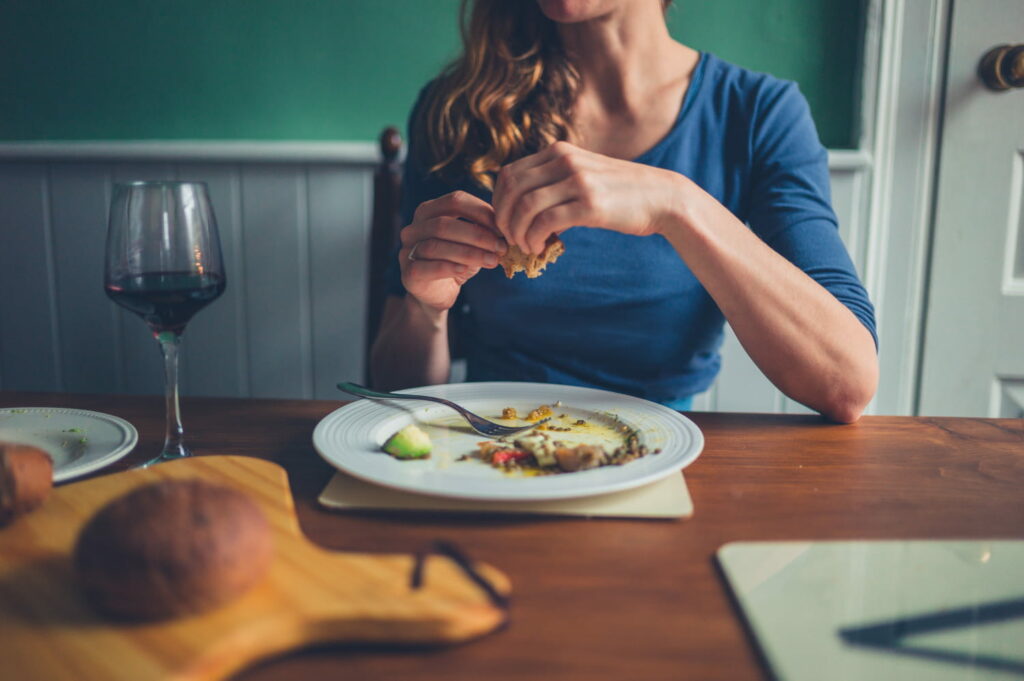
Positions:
(1002, 67)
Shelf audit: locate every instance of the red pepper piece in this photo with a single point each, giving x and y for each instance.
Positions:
(503, 456)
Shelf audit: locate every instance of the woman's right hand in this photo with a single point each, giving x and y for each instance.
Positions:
(450, 239)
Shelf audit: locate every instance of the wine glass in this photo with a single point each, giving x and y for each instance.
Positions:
(164, 264)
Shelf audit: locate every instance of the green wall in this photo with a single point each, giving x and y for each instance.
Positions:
(334, 69)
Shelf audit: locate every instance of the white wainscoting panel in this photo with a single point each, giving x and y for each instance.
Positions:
(29, 337)
(340, 201)
(295, 237)
(86, 321)
(276, 280)
(290, 323)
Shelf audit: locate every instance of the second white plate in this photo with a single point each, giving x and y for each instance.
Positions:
(351, 438)
(78, 441)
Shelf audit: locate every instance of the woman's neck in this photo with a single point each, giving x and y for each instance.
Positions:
(622, 56)
(633, 78)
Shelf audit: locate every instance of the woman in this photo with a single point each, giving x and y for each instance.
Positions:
(585, 119)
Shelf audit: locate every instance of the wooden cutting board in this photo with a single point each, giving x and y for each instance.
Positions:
(310, 595)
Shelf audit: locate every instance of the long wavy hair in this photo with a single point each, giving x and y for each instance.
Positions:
(507, 95)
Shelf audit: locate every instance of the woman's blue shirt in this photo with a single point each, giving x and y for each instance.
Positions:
(625, 313)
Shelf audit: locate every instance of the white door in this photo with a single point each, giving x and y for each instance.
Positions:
(973, 359)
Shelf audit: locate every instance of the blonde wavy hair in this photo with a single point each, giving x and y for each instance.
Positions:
(507, 95)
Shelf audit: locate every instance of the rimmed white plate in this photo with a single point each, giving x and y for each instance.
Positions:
(79, 441)
(351, 438)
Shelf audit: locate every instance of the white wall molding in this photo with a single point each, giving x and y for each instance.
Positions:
(348, 152)
(291, 322)
(345, 152)
(849, 159)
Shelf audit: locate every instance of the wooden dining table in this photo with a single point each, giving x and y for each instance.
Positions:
(603, 599)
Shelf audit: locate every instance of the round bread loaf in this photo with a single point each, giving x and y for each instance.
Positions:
(171, 548)
(26, 478)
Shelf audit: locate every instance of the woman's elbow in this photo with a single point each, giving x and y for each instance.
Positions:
(844, 413)
(848, 400)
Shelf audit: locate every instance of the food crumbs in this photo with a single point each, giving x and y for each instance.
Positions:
(509, 413)
(543, 411)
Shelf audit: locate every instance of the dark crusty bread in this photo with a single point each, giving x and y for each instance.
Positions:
(26, 478)
(172, 547)
(515, 260)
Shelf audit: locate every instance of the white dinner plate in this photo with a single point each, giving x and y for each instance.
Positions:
(351, 439)
(79, 441)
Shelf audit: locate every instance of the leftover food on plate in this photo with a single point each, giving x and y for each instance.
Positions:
(541, 412)
(351, 438)
(410, 442)
(566, 443)
(563, 445)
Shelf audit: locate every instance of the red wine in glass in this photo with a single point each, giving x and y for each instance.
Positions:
(164, 264)
(165, 300)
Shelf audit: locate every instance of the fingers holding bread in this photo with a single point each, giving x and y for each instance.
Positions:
(533, 264)
(457, 204)
(453, 237)
(449, 240)
(536, 198)
(425, 272)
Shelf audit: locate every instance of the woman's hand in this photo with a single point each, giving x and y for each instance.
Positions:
(548, 192)
(450, 239)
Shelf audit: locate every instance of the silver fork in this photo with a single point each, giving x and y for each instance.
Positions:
(477, 423)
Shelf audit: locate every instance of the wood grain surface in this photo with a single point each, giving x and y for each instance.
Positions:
(624, 599)
(308, 596)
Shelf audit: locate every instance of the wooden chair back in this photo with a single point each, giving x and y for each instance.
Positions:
(385, 225)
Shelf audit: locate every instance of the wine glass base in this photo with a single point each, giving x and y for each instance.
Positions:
(168, 455)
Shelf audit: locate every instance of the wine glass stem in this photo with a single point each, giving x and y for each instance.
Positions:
(174, 445)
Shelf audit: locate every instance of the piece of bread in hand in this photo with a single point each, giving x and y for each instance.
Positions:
(515, 260)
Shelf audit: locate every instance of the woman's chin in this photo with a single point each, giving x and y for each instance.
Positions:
(573, 11)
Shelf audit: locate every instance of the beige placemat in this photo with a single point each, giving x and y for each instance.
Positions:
(667, 498)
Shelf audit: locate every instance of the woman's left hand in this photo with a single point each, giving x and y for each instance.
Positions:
(548, 192)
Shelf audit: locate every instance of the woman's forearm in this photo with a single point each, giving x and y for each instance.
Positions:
(411, 348)
(810, 345)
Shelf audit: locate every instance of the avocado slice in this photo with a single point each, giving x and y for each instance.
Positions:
(409, 443)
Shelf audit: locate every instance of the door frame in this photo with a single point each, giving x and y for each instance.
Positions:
(905, 50)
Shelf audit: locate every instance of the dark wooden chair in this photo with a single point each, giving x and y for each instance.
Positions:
(385, 225)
